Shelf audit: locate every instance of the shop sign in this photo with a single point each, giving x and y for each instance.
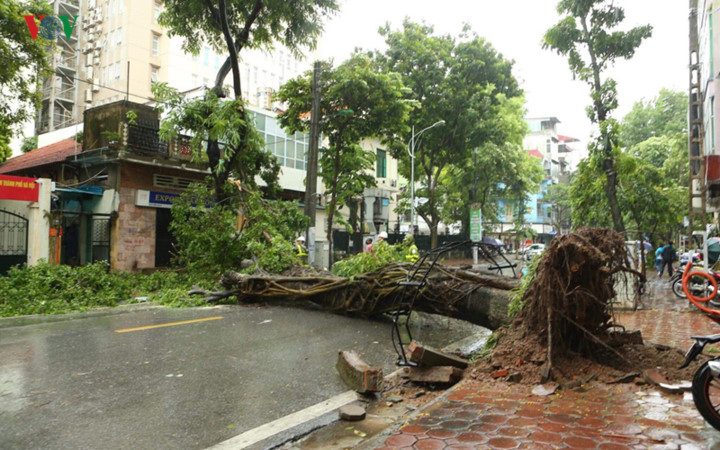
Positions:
(155, 199)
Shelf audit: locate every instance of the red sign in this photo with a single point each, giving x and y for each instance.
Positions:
(18, 188)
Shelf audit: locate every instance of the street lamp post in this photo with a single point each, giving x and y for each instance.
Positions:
(411, 153)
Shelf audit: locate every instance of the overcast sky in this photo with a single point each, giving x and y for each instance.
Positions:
(515, 29)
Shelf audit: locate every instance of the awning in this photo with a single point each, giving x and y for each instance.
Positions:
(92, 190)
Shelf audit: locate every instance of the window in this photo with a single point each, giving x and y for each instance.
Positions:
(155, 45)
(381, 168)
(154, 71)
(712, 124)
(288, 149)
(156, 11)
(117, 70)
(118, 36)
(710, 33)
(206, 57)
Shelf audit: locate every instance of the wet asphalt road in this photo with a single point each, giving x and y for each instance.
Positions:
(78, 383)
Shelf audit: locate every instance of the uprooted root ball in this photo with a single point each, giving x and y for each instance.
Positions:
(570, 297)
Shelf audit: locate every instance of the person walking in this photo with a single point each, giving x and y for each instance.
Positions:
(369, 246)
(668, 256)
(658, 259)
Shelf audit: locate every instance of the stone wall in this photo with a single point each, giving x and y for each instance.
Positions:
(133, 235)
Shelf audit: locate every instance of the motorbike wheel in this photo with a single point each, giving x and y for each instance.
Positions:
(677, 289)
(706, 395)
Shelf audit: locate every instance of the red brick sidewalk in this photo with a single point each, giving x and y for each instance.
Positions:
(483, 415)
(499, 415)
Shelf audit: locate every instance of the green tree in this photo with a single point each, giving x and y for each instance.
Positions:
(229, 27)
(558, 195)
(465, 82)
(29, 144)
(358, 102)
(211, 240)
(23, 63)
(587, 195)
(494, 171)
(587, 35)
(665, 115)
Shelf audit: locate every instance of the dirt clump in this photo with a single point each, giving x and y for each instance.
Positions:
(527, 356)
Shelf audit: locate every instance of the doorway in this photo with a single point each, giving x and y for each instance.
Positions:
(164, 239)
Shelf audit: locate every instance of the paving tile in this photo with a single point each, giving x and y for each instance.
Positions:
(502, 442)
(429, 444)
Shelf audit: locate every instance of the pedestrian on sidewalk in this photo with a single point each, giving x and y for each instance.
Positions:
(369, 246)
(669, 255)
(658, 259)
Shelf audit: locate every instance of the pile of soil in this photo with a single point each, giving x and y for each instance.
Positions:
(518, 353)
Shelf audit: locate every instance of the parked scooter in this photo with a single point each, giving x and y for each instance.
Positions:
(697, 288)
(706, 382)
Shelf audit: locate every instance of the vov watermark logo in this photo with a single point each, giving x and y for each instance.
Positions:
(50, 26)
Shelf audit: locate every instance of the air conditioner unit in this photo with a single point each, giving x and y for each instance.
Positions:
(86, 23)
(89, 73)
(96, 85)
(88, 96)
(89, 60)
(91, 4)
(88, 48)
(91, 35)
(96, 54)
(98, 17)
(98, 45)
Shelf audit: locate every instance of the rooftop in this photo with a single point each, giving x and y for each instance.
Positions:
(49, 154)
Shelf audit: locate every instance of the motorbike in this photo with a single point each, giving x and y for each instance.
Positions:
(697, 287)
(706, 381)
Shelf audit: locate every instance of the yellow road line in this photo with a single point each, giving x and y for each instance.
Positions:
(171, 324)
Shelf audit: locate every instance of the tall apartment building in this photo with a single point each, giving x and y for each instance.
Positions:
(704, 112)
(59, 92)
(118, 49)
(709, 58)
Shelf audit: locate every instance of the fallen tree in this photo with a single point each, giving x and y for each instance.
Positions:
(453, 292)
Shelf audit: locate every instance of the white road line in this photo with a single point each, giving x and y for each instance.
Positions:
(285, 423)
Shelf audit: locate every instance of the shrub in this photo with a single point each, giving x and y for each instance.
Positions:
(383, 255)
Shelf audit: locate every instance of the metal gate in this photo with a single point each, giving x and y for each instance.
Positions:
(13, 240)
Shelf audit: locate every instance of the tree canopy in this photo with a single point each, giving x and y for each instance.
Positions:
(464, 82)
(652, 171)
(588, 36)
(664, 115)
(357, 102)
(23, 63)
(229, 27)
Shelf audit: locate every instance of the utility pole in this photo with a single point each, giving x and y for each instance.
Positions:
(312, 163)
